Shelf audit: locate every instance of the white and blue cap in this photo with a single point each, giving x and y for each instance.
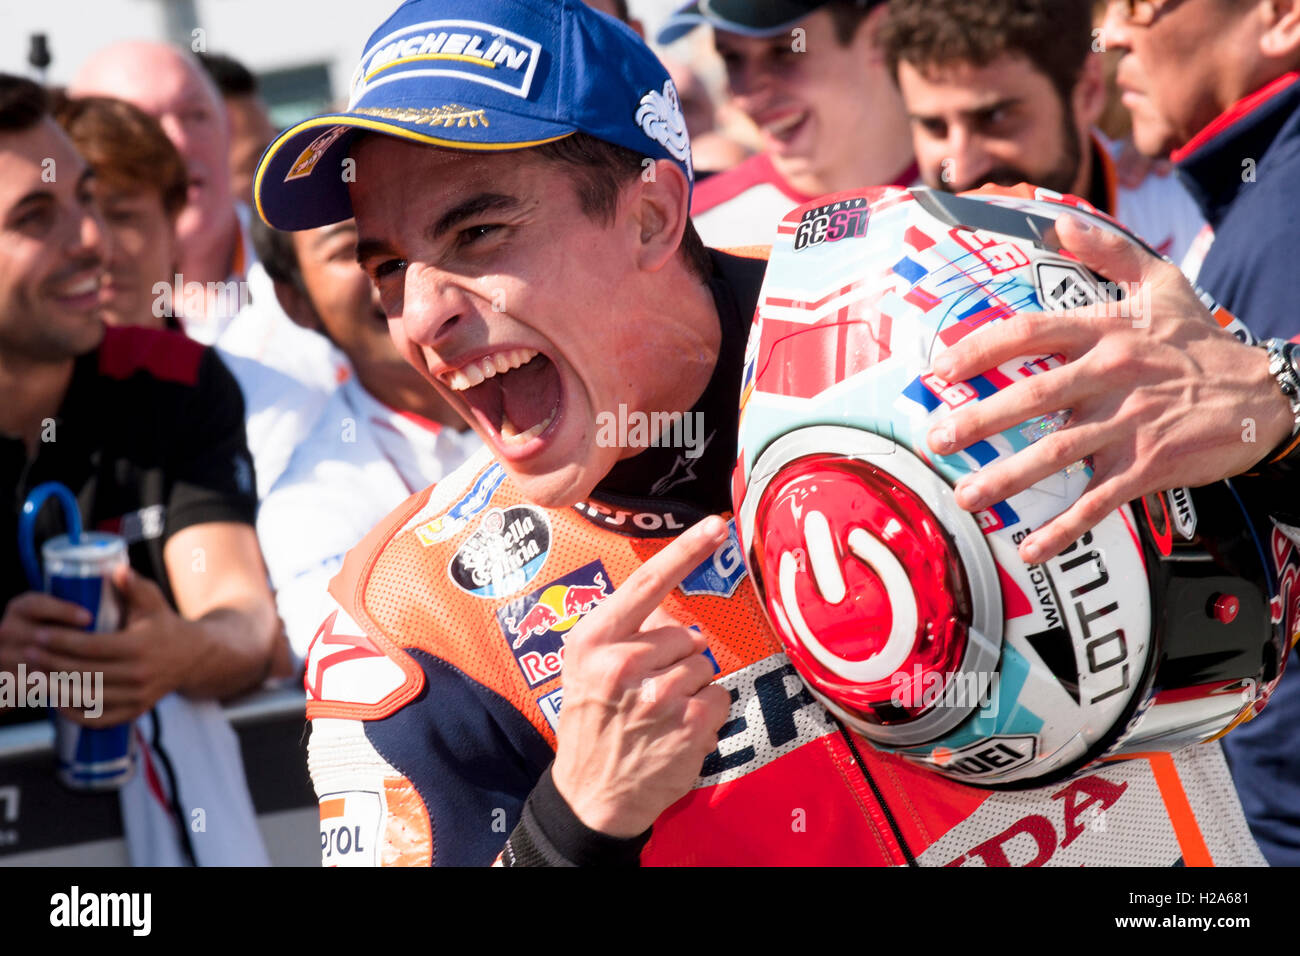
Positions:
(478, 75)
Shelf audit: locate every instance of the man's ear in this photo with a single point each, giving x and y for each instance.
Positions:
(1090, 92)
(868, 33)
(297, 306)
(660, 212)
(1281, 38)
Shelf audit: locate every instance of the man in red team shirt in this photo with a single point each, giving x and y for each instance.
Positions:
(812, 77)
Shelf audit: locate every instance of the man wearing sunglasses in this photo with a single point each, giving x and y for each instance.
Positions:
(1213, 83)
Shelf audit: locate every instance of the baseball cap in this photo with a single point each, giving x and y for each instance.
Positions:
(478, 75)
(755, 18)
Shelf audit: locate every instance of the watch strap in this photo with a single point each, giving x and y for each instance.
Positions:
(1282, 366)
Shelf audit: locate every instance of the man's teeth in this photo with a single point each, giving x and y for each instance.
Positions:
(782, 125)
(482, 369)
(85, 287)
(510, 435)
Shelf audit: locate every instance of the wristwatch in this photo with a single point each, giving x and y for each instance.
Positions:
(1282, 365)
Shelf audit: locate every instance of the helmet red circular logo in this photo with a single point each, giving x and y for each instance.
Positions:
(864, 582)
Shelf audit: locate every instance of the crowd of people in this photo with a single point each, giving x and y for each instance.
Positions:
(244, 367)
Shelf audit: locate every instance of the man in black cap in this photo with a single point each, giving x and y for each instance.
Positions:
(812, 77)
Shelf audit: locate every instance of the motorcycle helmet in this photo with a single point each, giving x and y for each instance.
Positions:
(916, 623)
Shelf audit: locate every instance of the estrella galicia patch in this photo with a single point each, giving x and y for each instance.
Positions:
(535, 624)
(450, 523)
(721, 572)
(505, 552)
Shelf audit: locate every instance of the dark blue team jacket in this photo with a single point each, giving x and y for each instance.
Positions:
(1253, 269)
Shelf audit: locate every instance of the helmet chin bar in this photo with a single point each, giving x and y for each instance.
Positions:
(958, 541)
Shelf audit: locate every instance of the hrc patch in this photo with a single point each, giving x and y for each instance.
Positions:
(448, 525)
(534, 625)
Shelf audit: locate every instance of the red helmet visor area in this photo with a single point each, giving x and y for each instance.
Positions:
(864, 584)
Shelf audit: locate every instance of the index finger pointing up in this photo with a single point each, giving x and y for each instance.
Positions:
(622, 614)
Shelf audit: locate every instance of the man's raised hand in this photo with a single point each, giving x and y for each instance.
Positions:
(1158, 401)
(640, 709)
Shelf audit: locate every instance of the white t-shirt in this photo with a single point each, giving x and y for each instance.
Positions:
(360, 461)
(286, 373)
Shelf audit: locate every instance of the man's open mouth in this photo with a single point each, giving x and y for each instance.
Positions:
(785, 127)
(515, 392)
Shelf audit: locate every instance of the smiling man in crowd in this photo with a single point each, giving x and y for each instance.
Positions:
(171, 87)
(220, 294)
(812, 77)
(1006, 92)
(146, 429)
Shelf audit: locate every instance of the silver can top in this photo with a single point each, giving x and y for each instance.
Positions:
(96, 553)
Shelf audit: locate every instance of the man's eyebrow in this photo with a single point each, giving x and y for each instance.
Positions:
(979, 110)
(45, 194)
(473, 206)
(36, 195)
(990, 107)
(329, 233)
(371, 248)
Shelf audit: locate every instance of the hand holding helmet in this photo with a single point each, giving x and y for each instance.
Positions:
(1167, 400)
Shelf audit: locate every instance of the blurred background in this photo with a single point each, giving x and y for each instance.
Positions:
(303, 51)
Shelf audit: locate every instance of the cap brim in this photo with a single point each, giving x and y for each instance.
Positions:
(300, 181)
(681, 22)
(691, 15)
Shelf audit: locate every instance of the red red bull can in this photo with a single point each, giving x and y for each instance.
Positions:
(81, 572)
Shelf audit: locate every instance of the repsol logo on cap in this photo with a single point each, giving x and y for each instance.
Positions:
(467, 49)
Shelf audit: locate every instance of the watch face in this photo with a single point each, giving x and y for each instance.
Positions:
(1289, 356)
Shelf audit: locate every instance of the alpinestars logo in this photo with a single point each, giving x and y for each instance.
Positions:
(660, 117)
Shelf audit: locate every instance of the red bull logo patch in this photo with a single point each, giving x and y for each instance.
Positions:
(535, 624)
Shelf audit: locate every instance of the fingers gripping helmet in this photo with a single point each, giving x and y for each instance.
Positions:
(917, 623)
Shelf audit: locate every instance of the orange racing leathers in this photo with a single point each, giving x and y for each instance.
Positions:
(435, 682)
